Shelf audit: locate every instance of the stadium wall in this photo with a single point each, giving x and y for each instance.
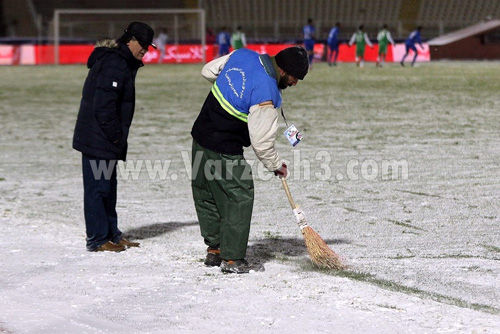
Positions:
(468, 48)
(30, 54)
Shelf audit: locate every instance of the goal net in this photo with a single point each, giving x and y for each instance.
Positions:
(182, 26)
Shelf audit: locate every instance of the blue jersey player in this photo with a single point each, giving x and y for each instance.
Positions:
(224, 42)
(410, 42)
(333, 45)
(308, 31)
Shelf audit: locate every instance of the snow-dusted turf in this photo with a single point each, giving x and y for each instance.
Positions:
(423, 248)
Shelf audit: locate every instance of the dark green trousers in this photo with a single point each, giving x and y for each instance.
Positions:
(223, 193)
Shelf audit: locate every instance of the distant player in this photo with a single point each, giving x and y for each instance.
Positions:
(238, 39)
(383, 38)
(309, 31)
(410, 42)
(333, 45)
(161, 42)
(361, 39)
(223, 41)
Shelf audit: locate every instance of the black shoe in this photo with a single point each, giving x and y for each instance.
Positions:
(213, 257)
(235, 266)
(402, 64)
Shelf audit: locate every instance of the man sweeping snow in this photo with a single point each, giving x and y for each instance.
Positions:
(240, 110)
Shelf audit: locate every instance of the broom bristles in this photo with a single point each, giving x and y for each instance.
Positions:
(321, 255)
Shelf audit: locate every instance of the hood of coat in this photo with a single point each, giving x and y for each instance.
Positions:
(104, 46)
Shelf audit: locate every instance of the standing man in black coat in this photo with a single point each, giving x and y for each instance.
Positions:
(102, 128)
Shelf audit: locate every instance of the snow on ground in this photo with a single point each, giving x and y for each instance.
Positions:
(423, 251)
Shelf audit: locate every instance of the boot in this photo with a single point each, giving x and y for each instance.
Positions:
(235, 266)
(213, 257)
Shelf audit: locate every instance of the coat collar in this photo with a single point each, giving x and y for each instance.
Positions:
(125, 52)
(270, 66)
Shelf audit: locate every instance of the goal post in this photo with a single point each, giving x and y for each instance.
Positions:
(136, 15)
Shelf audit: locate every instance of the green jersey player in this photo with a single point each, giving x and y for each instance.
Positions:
(384, 38)
(361, 40)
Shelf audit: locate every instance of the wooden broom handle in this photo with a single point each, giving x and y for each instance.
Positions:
(288, 194)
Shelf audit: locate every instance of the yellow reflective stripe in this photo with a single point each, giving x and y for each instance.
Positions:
(227, 106)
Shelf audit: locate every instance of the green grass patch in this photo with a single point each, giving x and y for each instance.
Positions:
(271, 235)
(397, 222)
(397, 287)
(453, 256)
(352, 210)
(418, 193)
(401, 257)
(392, 307)
(492, 248)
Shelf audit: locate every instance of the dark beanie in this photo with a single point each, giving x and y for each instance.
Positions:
(141, 32)
(293, 61)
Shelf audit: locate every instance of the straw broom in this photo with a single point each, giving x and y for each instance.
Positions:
(321, 255)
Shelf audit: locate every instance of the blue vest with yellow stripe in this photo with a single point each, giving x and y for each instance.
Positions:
(244, 82)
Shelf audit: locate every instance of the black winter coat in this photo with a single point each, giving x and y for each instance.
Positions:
(107, 105)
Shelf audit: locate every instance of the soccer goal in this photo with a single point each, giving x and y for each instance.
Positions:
(182, 25)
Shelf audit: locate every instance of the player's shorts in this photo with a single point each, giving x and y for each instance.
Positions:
(309, 44)
(333, 46)
(382, 48)
(360, 51)
(411, 47)
(223, 50)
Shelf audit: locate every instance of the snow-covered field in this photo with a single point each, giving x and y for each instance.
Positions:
(423, 247)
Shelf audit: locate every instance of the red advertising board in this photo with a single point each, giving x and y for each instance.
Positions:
(185, 53)
(9, 55)
(191, 53)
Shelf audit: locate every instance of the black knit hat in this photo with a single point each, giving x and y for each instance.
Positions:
(142, 33)
(293, 61)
